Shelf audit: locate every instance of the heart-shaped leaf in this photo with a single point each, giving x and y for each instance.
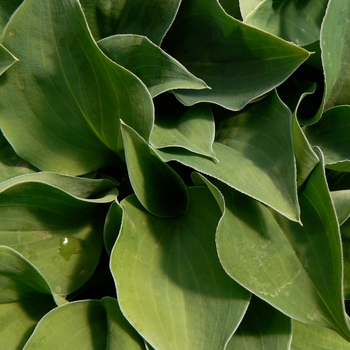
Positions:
(240, 63)
(25, 297)
(185, 300)
(159, 188)
(62, 101)
(158, 70)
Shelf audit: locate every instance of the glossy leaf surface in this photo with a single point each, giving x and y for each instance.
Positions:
(171, 267)
(238, 62)
(158, 70)
(84, 115)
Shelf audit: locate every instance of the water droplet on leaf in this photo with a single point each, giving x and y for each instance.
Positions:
(70, 245)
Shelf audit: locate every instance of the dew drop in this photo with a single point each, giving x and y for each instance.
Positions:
(70, 245)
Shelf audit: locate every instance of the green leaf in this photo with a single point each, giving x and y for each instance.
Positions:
(306, 337)
(331, 134)
(112, 225)
(248, 6)
(279, 260)
(263, 170)
(299, 22)
(305, 157)
(158, 70)
(263, 327)
(25, 297)
(44, 217)
(151, 18)
(185, 300)
(238, 62)
(335, 48)
(76, 325)
(345, 234)
(194, 131)
(62, 74)
(121, 335)
(6, 59)
(159, 188)
(232, 8)
(341, 201)
(7, 8)
(11, 164)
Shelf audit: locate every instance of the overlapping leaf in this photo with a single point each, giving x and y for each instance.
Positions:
(263, 327)
(77, 325)
(25, 297)
(54, 222)
(248, 6)
(238, 62)
(335, 47)
(279, 260)
(62, 101)
(7, 8)
(121, 335)
(307, 337)
(159, 188)
(151, 18)
(185, 300)
(6, 59)
(331, 134)
(194, 131)
(255, 155)
(159, 71)
(291, 20)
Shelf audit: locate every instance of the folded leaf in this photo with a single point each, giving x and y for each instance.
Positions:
(194, 131)
(185, 300)
(25, 297)
(238, 62)
(254, 149)
(158, 187)
(158, 70)
(62, 102)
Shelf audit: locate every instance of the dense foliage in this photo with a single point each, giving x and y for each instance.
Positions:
(174, 174)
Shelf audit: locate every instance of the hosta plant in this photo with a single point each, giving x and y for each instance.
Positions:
(174, 174)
